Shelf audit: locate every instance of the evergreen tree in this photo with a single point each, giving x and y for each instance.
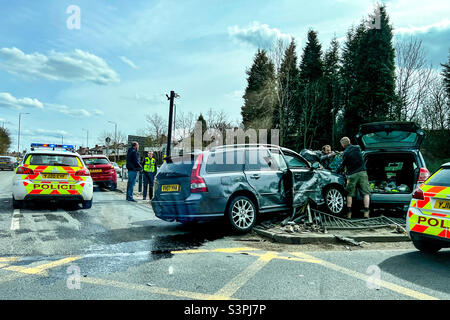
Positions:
(369, 58)
(258, 97)
(446, 78)
(333, 89)
(311, 93)
(311, 66)
(5, 140)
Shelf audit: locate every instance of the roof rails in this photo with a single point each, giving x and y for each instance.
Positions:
(245, 145)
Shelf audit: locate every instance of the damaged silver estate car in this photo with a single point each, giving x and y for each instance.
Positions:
(239, 182)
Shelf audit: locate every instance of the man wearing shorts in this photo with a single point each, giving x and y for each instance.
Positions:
(353, 162)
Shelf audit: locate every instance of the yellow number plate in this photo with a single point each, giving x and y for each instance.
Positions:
(442, 204)
(54, 176)
(95, 170)
(170, 188)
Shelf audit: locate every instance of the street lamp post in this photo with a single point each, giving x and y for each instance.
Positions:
(18, 138)
(115, 139)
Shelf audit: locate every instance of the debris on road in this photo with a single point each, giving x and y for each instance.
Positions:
(348, 240)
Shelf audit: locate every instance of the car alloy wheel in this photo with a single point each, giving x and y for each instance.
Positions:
(242, 214)
(335, 201)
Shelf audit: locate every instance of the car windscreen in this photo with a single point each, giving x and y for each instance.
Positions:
(390, 139)
(177, 167)
(52, 160)
(441, 178)
(92, 161)
(6, 159)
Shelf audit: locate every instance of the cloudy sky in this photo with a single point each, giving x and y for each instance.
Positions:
(126, 55)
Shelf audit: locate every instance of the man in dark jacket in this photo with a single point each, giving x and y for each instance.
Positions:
(356, 172)
(326, 156)
(133, 167)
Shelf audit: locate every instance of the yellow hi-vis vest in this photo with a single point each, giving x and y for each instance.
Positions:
(149, 164)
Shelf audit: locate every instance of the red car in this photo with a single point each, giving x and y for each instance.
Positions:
(102, 171)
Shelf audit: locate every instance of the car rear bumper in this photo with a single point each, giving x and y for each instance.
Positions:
(6, 167)
(194, 209)
(104, 178)
(49, 197)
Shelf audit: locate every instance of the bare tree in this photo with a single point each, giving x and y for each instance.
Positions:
(283, 95)
(435, 112)
(412, 78)
(184, 125)
(157, 127)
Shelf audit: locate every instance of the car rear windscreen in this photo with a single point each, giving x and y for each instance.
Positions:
(92, 161)
(177, 167)
(52, 160)
(5, 159)
(440, 179)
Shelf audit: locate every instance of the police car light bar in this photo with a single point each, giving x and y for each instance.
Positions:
(51, 145)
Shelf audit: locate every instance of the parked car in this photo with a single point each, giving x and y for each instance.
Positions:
(117, 168)
(7, 163)
(241, 182)
(428, 219)
(102, 171)
(395, 165)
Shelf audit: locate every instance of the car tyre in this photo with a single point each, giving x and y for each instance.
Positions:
(426, 246)
(87, 204)
(241, 214)
(334, 200)
(113, 186)
(17, 204)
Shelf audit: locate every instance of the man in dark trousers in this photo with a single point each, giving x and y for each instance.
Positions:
(149, 174)
(356, 172)
(133, 167)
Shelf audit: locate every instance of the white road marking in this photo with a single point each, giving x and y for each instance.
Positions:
(15, 221)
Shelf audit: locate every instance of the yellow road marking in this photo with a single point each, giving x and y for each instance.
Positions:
(41, 270)
(12, 259)
(154, 290)
(241, 279)
(361, 276)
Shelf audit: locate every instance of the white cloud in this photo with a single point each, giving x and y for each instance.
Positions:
(128, 62)
(439, 26)
(77, 65)
(259, 35)
(70, 111)
(7, 100)
(156, 98)
(98, 112)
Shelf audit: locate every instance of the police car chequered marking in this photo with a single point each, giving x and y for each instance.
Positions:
(429, 222)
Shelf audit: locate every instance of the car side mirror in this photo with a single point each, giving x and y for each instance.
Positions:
(315, 165)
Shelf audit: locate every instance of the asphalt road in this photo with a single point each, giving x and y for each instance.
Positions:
(120, 250)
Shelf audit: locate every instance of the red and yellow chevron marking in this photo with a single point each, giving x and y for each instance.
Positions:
(35, 183)
(429, 225)
(429, 222)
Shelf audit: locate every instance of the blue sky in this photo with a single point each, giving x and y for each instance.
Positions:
(128, 54)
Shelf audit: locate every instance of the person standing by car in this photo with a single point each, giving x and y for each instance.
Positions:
(353, 162)
(133, 167)
(326, 156)
(149, 174)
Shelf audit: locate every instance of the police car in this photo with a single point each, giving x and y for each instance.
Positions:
(52, 172)
(428, 220)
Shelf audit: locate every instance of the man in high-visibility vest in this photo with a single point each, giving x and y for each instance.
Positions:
(149, 174)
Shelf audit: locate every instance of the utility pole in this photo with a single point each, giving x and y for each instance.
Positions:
(18, 138)
(173, 95)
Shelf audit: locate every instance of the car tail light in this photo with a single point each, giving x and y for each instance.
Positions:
(418, 194)
(24, 170)
(198, 183)
(82, 172)
(424, 174)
